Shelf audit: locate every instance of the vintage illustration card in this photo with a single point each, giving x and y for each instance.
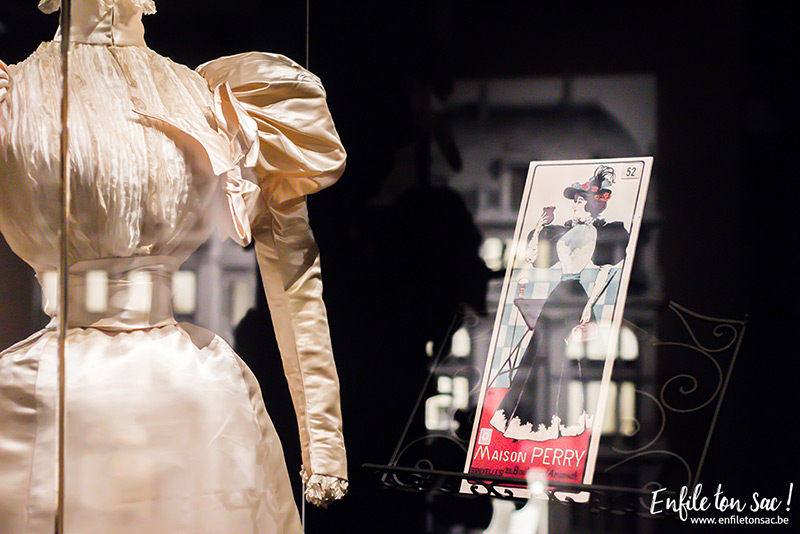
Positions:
(564, 289)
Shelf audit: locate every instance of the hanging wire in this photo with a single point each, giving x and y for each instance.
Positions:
(308, 31)
(308, 47)
(63, 266)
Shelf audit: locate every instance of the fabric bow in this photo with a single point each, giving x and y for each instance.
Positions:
(219, 152)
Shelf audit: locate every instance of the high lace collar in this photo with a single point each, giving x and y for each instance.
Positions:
(105, 22)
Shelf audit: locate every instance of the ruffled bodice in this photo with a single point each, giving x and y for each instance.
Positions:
(154, 151)
(133, 191)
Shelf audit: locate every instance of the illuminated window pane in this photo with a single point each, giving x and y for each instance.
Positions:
(627, 408)
(628, 344)
(242, 300)
(461, 343)
(575, 348)
(436, 415)
(429, 348)
(49, 281)
(609, 415)
(592, 391)
(597, 348)
(140, 291)
(575, 396)
(96, 291)
(453, 393)
(492, 253)
(444, 384)
(184, 292)
(460, 392)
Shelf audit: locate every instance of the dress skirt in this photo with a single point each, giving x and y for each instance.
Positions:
(530, 399)
(166, 433)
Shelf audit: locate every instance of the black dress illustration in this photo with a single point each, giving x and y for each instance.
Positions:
(526, 411)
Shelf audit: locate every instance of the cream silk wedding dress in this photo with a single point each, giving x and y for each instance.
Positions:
(166, 428)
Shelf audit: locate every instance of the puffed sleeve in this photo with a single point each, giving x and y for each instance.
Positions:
(612, 242)
(299, 153)
(5, 81)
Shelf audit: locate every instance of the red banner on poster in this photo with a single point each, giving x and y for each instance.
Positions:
(561, 459)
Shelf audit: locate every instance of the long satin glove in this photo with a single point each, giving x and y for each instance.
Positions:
(299, 154)
(288, 259)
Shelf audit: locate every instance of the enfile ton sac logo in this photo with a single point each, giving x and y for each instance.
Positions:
(693, 500)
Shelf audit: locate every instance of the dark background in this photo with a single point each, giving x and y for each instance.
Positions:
(726, 183)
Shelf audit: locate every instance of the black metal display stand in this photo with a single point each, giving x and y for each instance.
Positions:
(710, 342)
(602, 498)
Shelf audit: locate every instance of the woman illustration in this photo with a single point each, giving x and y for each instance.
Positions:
(585, 239)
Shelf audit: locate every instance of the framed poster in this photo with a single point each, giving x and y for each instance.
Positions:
(565, 285)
